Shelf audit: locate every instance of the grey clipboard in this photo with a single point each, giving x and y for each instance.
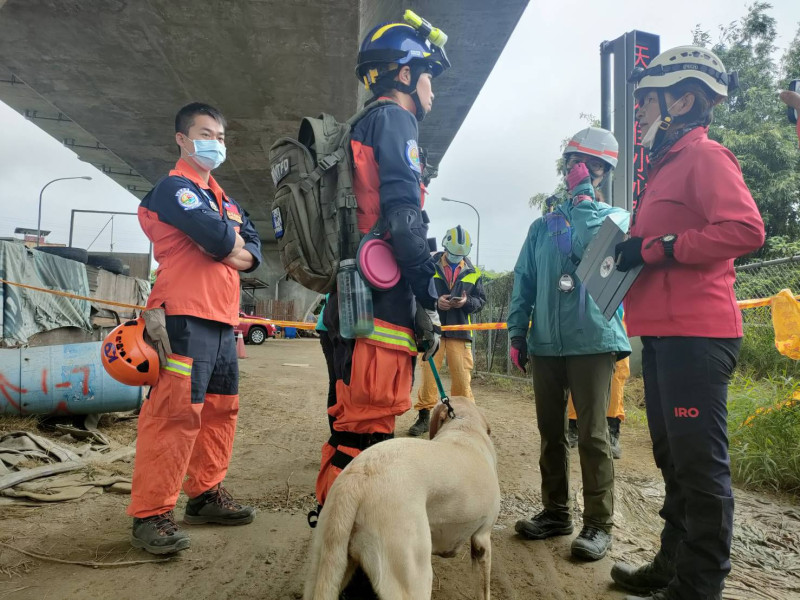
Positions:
(598, 270)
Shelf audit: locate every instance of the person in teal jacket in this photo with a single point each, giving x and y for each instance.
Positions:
(571, 345)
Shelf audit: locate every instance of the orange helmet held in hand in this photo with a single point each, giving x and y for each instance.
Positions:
(127, 357)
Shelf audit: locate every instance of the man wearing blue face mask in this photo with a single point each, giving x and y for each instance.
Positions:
(201, 239)
(459, 285)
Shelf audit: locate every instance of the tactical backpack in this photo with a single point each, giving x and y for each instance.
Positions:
(314, 210)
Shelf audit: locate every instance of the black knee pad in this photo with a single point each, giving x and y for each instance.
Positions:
(409, 235)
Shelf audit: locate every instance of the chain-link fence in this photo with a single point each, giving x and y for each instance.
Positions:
(758, 356)
(492, 347)
(753, 281)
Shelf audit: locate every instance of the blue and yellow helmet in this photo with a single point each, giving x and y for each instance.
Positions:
(392, 45)
(457, 241)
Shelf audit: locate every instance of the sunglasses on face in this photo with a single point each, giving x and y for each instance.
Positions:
(595, 165)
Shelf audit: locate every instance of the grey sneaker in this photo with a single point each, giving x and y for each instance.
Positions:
(543, 526)
(572, 433)
(645, 579)
(217, 506)
(591, 544)
(159, 534)
(422, 425)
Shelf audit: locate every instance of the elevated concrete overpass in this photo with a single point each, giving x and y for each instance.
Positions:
(106, 77)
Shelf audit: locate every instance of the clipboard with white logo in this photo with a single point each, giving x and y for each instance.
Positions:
(598, 270)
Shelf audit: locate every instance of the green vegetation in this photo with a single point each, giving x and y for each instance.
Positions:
(753, 124)
(758, 357)
(764, 430)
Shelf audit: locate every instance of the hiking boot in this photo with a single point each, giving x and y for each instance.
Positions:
(543, 526)
(422, 425)
(645, 579)
(159, 534)
(572, 433)
(591, 544)
(613, 437)
(665, 595)
(659, 595)
(217, 506)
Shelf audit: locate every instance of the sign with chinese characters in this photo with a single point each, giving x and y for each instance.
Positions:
(646, 47)
(634, 49)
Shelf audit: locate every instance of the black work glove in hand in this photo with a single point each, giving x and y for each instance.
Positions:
(519, 352)
(427, 330)
(629, 254)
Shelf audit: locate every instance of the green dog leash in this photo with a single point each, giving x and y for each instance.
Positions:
(445, 400)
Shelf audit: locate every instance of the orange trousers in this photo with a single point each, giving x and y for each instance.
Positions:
(616, 407)
(187, 424)
(368, 398)
(458, 353)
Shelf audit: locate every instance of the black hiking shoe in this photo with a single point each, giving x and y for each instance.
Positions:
(659, 595)
(359, 588)
(217, 506)
(613, 437)
(422, 425)
(651, 577)
(572, 433)
(665, 595)
(543, 526)
(159, 534)
(591, 544)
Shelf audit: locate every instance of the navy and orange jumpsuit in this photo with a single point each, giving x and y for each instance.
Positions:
(187, 424)
(374, 374)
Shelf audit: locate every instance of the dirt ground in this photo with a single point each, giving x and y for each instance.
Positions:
(281, 428)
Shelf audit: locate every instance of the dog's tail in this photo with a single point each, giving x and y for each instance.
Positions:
(329, 553)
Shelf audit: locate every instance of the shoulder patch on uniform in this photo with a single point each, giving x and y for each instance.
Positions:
(412, 155)
(187, 199)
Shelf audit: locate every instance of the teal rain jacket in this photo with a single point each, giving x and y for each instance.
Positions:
(560, 327)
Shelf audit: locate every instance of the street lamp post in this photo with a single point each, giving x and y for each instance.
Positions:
(478, 237)
(39, 221)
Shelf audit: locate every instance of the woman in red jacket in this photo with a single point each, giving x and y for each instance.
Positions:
(695, 217)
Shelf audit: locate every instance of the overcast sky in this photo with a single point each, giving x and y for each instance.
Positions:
(504, 152)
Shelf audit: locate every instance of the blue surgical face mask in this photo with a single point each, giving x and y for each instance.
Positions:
(209, 154)
(453, 259)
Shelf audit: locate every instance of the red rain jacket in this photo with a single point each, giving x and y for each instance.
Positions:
(695, 191)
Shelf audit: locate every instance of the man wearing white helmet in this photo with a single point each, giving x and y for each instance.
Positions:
(695, 217)
(573, 347)
(460, 289)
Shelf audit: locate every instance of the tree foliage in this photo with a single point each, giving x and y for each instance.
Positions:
(753, 124)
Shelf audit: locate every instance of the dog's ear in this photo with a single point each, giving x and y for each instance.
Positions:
(438, 418)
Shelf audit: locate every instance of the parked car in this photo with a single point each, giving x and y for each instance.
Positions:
(255, 333)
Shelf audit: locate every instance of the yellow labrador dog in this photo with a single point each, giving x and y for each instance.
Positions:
(404, 499)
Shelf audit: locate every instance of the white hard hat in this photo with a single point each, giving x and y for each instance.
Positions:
(595, 141)
(686, 62)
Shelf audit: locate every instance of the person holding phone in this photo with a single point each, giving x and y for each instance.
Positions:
(459, 284)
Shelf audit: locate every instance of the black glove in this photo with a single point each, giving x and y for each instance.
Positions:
(428, 331)
(629, 254)
(519, 352)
